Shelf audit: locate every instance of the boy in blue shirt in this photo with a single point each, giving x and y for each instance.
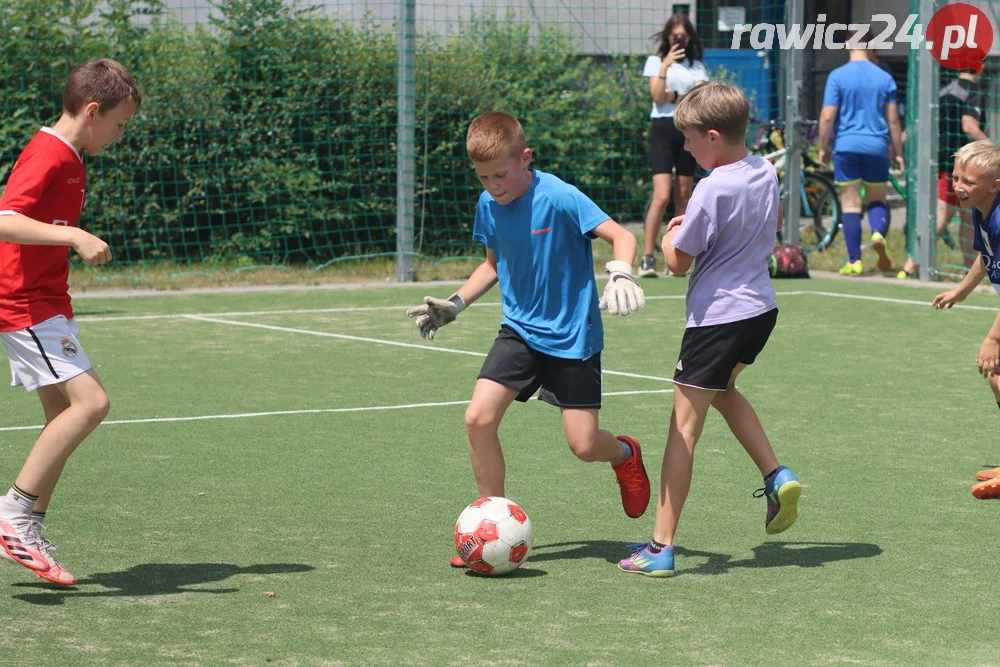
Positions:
(729, 226)
(976, 181)
(537, 231)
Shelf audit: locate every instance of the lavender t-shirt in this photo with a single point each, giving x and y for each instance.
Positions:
(729, 226)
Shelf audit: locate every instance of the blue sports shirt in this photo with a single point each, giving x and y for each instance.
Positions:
(860, 90)
(986, 240)
(545, 265)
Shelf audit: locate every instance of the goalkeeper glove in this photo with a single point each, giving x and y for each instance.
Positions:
(622, 294)
(435, 313)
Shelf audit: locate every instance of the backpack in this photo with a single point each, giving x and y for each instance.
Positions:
(788, 261)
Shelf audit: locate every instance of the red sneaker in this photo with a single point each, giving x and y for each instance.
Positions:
(457, 561)
(632, 480)
(988, 489)
(989, 473)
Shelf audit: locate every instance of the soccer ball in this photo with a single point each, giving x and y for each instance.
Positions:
(493, 535)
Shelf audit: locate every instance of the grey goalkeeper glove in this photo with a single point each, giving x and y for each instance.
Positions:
(622, 294)
(435, 313)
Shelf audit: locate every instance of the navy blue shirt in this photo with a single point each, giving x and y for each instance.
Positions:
(987, 240)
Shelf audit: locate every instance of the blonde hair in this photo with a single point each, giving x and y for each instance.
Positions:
(982, 154)
(714, 106)
(493, 135)
(104, 81)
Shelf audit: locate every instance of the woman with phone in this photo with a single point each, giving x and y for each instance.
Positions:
(673, 71)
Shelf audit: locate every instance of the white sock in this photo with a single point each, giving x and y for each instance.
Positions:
(19, 497)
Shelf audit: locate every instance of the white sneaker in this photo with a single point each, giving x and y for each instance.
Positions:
(56, 573)
(16, 537)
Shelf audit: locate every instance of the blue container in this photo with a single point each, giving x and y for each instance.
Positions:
(752, 71)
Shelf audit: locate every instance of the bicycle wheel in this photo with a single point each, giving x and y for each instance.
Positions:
(819, 213)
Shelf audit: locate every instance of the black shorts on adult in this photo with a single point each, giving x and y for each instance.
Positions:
(666, 149)
(709, 355)
(565, 383)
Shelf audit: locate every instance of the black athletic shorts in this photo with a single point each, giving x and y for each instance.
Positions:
(565, 383)
(666, 149)
(709, 355)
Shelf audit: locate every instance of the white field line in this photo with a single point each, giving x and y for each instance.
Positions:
(380, 341)
(280, 413)
(302, 311)
(906, 302)
(209, 317)
(488, 304)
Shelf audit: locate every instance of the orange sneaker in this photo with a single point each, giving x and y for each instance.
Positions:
(990, 473)
(56, 573)
(457, 561)
(632, 480)
(988, 489)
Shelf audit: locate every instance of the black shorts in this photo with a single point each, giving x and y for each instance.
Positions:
(565, 383)
(666, 149)
(709, 355)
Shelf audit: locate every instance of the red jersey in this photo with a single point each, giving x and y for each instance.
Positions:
(48, 183)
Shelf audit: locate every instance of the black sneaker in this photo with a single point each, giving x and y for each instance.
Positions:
(647, 268)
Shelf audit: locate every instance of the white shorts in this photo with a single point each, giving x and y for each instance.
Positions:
(45, 354)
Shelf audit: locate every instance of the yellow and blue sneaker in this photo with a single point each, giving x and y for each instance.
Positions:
(878, 245)
(650, 564)
(852, 269)
(782, 490)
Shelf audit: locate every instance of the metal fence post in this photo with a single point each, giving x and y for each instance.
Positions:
(405, 141)
(927, 137)
(792, 70)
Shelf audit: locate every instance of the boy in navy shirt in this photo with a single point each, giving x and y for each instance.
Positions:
(976, 180)
(537, 231)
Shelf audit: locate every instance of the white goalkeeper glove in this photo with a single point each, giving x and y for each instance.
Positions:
(622, 294)
(435, 313)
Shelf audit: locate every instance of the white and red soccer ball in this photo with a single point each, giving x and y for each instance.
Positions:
(493, 535)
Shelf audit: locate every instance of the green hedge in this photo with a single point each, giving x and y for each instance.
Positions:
(268, 136)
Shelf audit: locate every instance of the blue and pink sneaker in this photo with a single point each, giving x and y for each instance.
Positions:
(649, 564)
(782, 493)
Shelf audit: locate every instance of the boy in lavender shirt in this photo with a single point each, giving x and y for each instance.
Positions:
(729, 226)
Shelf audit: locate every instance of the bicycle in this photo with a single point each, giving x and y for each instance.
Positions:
(820, 210)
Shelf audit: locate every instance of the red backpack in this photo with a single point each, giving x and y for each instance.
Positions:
(788, 261)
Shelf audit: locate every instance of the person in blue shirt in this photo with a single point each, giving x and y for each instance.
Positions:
(976, 181)
(537, 231)
(859, 107)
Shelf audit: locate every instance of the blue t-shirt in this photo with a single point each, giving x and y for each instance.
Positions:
(545, 265)
(860, 90)
(986, 240)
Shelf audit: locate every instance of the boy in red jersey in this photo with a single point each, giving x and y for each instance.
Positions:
(47, 188)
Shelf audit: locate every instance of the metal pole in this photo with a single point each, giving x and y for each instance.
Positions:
(405, 142)
(792, 70)
(927, 137)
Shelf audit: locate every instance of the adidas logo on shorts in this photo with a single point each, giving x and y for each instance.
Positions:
(680, 366)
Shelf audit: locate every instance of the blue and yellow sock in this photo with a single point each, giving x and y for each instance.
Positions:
(852, 235)
(878, 217)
